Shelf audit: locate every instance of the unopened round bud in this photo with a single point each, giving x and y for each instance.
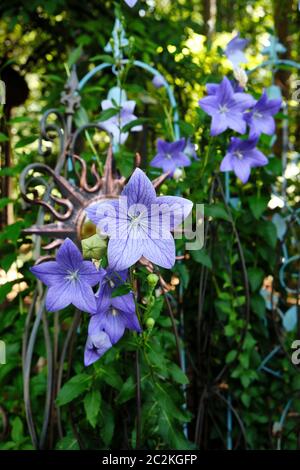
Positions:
(164, 188)
(150, 322)
(152, 279)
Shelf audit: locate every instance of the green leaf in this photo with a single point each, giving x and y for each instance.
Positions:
(92, 403)
(107, 114)
(177, 374)
(4, 290)
(184, 274)
(132, 124)
(123, 289)
(246, 399)
(107, 424)
(3, 137)
(202, 257)
(25, 141)
(67, 443)
(73, 388)
(157, 307)
(111, 377)
(74, 56)
(258, 305)
(255, 276)
(267, 230)
(258, 204)
(127, 391)
(217, 211)
(17, 430)
(7, 261)
(230, 357)
(4, 201)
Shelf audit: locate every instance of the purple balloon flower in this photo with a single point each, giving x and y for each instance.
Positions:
(234, 50)
(260, 118)
(190, 150)
(115, 124)
(170, 155)
(227, 108)
(242, 155)
(69, 278)
(131, 3)
(114, 314)
(158, 81)
(96, 345)
(140, 223)
(212, 88)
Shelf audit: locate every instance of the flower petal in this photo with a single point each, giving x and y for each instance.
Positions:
(226, 163)
(139, 189)
(49, 272)
(59, 296)
(69, 256)
(113, 325)
(174, 209)
(95, 347)
(124, 252)
(160, 251)
(83, 297)
(125, 303)
(218, 125)
(209, 104)
(90, 274)
(242, 169)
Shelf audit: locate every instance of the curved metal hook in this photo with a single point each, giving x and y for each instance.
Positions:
(62, 184)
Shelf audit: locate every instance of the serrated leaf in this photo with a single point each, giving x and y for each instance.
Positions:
(73, 388)
(92, 403)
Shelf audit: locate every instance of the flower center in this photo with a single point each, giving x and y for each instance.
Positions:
(73, 275)
(223, 109)
(239, 155)
(168, 156)
(114, 312)
(257, 115)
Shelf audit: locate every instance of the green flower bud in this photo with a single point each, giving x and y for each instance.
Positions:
(152, 280)
(150, 322)
(93, 247)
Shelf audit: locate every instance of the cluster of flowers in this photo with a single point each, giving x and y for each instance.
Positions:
(70, 278)
(235, 110)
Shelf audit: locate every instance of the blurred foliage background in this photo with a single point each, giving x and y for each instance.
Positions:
(223, 382)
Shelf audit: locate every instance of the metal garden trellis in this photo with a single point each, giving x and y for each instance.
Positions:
(75, 196)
